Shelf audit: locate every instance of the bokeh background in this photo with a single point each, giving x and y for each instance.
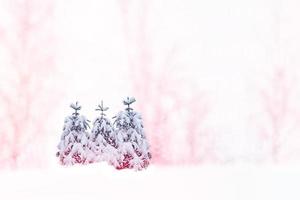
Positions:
(217, 82)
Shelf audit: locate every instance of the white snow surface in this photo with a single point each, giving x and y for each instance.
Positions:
(100, 181)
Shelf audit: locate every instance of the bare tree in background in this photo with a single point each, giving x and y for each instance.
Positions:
(278, 97)
(279, 112)
(163, 97)
(26, 38)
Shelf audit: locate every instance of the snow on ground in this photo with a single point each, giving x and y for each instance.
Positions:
(100, 181)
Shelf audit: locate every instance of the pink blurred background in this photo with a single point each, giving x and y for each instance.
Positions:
(216, 81)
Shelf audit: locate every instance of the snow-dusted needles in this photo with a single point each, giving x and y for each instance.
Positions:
(122, 144)
(76, 107)
(128, 101)
(102, 109)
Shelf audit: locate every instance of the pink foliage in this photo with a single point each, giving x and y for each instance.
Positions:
(27, 41)
(163, 97)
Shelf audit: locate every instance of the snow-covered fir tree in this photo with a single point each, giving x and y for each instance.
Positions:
(133, 145)
(72, 148)
(103, 143)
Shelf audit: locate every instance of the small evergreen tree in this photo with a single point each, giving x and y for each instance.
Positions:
(133, 145)
(103, 143)
(73, 144)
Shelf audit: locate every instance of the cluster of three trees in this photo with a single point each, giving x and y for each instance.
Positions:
(122, 144)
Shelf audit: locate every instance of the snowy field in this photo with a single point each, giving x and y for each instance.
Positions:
(102, 182)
